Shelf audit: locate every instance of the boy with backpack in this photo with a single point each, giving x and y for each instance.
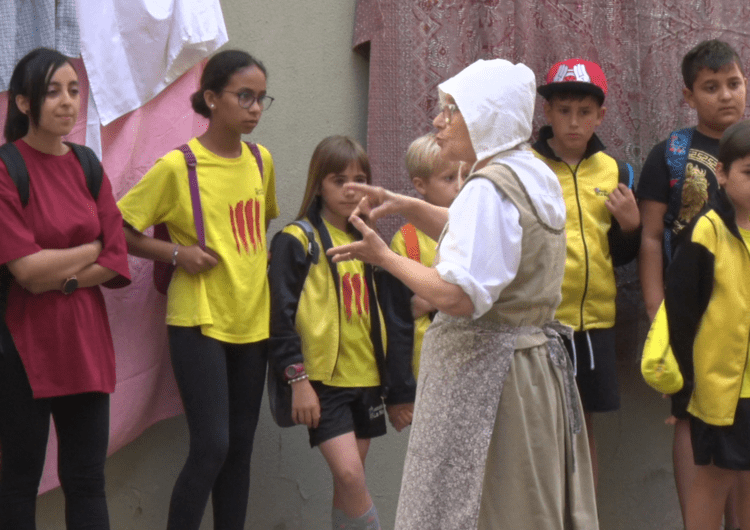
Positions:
(438, 182)
(677, 181)
(602, 227)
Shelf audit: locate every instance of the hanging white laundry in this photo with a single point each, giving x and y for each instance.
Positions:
(25, 25)
(133, 49)
(93, 127)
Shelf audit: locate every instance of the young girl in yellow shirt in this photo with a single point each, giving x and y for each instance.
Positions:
(328, 332)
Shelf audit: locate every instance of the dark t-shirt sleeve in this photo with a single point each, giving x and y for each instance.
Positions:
(653, 184)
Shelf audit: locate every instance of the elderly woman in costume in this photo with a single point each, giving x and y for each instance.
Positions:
(497, 440)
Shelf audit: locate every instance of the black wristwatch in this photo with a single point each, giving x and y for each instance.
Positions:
(69, 285)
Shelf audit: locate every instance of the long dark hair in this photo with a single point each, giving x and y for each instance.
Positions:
(216, 74)
(332, 155)
(31, 78)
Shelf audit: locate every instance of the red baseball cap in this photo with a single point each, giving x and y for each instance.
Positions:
(575, 74)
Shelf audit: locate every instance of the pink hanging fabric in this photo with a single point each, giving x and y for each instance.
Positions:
(146, 391)
(413, 46)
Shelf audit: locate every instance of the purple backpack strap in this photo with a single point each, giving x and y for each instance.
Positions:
(258, 159)
(195, 196)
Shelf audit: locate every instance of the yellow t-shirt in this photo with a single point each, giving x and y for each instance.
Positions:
(356, 365)
(427, 248)
(230, 302)
(745, 391)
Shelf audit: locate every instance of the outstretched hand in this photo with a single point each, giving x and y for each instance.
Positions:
(371, 249)
(376, 202)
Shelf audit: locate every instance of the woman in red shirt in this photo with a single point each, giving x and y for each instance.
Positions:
(57, 356)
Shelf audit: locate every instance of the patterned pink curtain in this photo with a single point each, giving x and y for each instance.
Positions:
(415, 44)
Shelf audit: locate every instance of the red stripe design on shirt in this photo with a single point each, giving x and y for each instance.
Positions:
(258, 228)
(234, 228)
(357, 285)
(346, 291)
(249, 219)
(239, 214)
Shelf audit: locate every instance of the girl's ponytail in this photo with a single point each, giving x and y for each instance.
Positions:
(198, 103)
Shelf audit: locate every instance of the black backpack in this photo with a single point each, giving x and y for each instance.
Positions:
(676, 156)
(19, 174)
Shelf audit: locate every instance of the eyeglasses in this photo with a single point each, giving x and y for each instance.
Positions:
(448, 110)
(245, 99)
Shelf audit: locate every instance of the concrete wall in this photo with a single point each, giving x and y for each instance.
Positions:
(320, 88)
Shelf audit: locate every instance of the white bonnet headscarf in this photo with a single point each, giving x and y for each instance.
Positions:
(496, 99)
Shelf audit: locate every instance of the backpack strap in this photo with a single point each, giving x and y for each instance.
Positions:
(313, 249)
(258, 158)
(92, 167)
(11, 157)
(409, 231)
(195, 197)
(676, 156)
(627, 175)
(163, 271)
(375, 331)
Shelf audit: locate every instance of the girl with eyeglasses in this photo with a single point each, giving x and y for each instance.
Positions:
(218, 298)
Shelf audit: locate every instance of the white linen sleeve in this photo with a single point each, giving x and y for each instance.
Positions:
(481, 251)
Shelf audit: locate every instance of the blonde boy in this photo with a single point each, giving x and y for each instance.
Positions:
(438, 182)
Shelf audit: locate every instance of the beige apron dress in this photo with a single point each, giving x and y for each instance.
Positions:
(498, 441)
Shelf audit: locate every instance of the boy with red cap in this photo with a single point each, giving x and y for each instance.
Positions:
(602, 226)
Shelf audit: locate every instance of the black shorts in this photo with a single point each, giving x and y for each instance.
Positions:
(346, 409)
(598, 386)
(725, 447)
